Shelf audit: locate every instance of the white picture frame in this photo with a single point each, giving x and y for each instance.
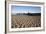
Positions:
(25, 29)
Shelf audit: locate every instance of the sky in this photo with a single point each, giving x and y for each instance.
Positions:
(25, 9)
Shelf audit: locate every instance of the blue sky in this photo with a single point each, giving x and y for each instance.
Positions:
(25, 9)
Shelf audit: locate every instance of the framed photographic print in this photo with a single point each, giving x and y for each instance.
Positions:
(23, 16)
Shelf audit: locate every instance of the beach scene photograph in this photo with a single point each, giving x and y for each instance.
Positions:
(25, 16)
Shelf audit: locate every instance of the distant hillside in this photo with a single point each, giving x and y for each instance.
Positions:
(27, 14)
